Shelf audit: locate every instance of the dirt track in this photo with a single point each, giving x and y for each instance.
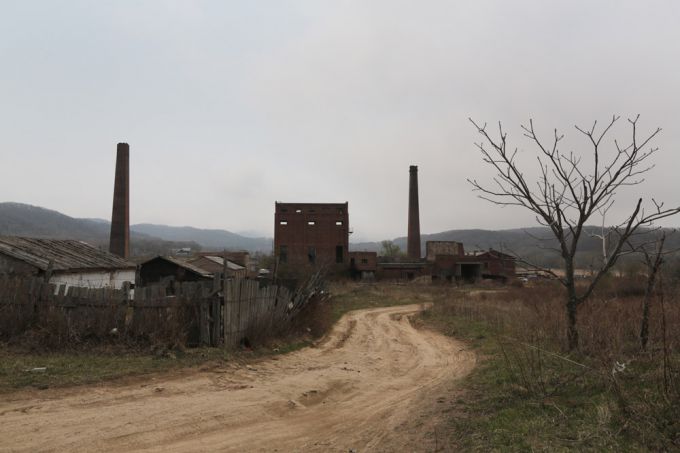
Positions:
(372, 385)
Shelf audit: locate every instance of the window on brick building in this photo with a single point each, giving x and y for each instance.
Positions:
(283, 253)
(339, 254)
(311, 255)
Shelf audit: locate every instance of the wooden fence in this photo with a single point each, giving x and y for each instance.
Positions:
(208, 313)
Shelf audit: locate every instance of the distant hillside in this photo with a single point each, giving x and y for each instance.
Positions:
(210, 239)
(146, 239)
(17, 219)
(531, 243)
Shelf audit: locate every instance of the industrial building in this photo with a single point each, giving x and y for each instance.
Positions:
(311, 234)
(64, 262)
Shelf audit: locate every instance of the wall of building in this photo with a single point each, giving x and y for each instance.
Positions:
(94, 279)
(450, 248)
(10, 265)
(311, 234)
(363, 261)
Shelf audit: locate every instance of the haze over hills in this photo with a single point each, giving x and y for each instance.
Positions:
(210, 239)
(26, 220)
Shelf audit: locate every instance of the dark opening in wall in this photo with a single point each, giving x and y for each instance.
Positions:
(339, 255)
(283, 254)
(311, 254)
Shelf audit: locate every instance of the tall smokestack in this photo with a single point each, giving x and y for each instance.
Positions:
(413, 247)
(119, 243)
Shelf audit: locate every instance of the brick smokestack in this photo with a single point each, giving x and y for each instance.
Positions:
(413, 247)
(119, 243)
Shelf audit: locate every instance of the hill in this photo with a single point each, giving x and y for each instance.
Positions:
(17, 219)
(209, 239)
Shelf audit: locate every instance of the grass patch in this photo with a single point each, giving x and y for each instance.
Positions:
(22, 369)
(524, 395)
(357, 296)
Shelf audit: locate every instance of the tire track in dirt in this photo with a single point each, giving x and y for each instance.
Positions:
(367, 386)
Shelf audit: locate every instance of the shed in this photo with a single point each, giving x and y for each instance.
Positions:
(215, 265)
(72, 263)
(168, 268)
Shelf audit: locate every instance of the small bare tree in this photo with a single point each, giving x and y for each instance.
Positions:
(567, 193)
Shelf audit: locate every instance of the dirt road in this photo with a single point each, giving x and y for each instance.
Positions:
(372, 385)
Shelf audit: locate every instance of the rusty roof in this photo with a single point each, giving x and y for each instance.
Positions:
(66, 254)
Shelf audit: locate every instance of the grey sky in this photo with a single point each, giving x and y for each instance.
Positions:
(229, 106)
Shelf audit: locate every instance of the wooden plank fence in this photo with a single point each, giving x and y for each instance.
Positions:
(222, 312)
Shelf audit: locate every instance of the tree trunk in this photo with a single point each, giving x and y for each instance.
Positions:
(649, 291)
(572, 302)
(572, 332)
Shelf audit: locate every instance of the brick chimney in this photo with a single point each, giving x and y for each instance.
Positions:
(413, 245)
(119, 243)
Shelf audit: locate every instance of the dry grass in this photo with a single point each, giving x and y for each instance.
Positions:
(608, 395)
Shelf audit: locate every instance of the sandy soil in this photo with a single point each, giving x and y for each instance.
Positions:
(374, 384)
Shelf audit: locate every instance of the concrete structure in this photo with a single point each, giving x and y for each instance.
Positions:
(311, 234)
(64, 262)
(413, 244)
(402, 270)
(448, 248)
(119, 243)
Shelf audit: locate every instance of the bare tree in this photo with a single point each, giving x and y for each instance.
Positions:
(653, 257)
(567, 193)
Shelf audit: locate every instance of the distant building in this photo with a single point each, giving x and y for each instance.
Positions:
(363, 264)
(69, 262)
(449, 261)
(311, 234)
(449, 248)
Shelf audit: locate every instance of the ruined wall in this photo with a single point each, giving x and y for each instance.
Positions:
(446, 248)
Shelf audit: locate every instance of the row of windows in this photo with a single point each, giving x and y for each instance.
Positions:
(299, 211)
(312, 222)
(311, 254)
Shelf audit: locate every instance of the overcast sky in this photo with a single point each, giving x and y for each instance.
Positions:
(229, 106)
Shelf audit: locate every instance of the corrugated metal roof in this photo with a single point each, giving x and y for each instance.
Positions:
(65, 253)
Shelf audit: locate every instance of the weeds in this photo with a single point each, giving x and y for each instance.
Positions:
(529, 394)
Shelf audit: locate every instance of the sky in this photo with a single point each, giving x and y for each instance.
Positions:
(229, 106)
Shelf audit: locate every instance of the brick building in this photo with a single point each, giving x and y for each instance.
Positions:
(363, 264)
(311, 234)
